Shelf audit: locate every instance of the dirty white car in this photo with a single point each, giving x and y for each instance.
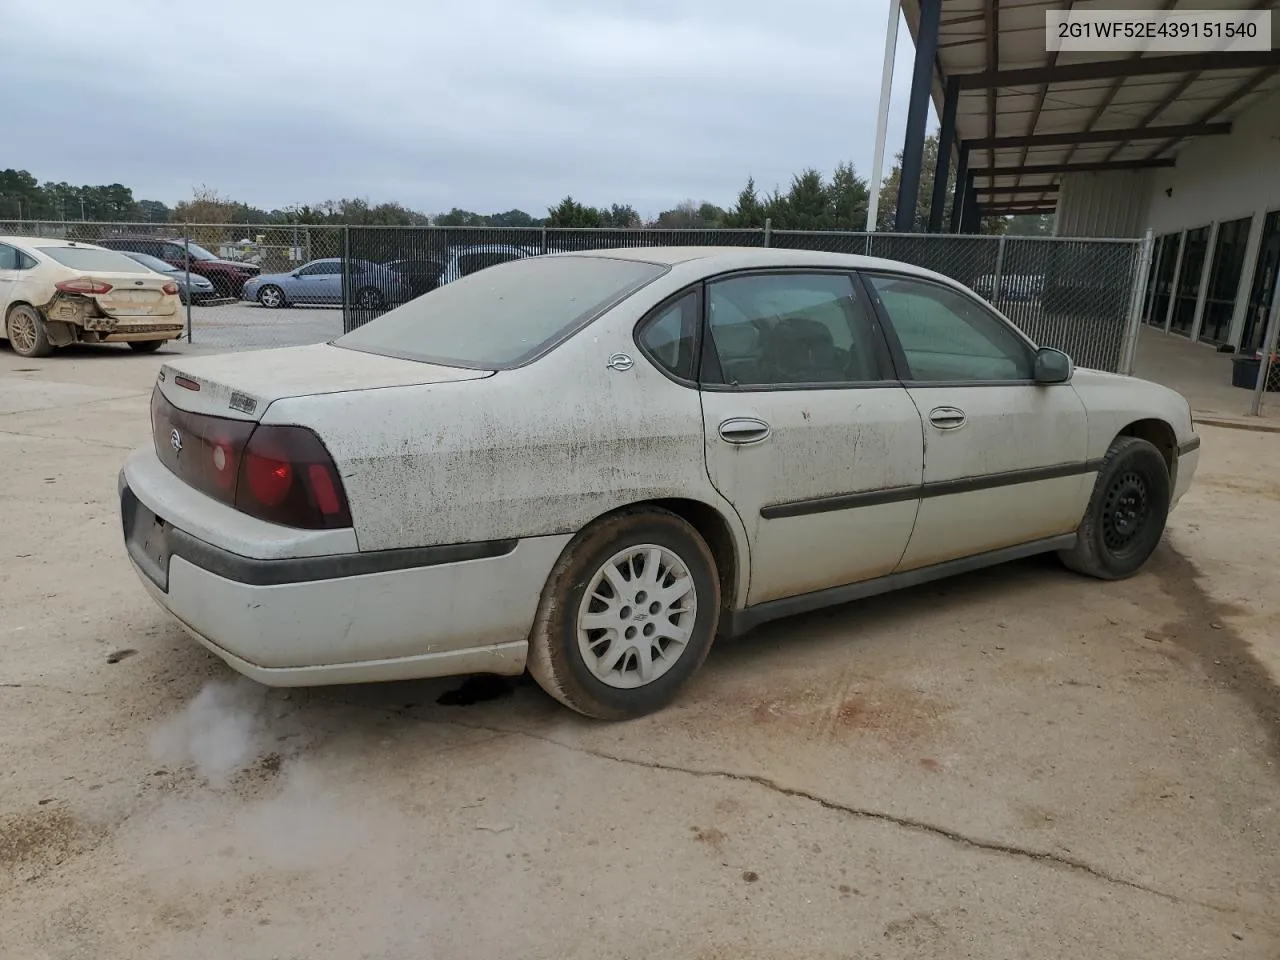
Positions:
(591, 465)
(57, 292)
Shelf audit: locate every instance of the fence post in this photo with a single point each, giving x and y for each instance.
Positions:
(1137, 306)
(544, 239)
(346, 282)
(186, 249)
(768, 231)
(995, 280)
(1268, 350)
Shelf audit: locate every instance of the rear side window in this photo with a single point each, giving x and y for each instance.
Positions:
(9, 257)
(792, 328)
(505, 316)
(91, 258)
(670, 337)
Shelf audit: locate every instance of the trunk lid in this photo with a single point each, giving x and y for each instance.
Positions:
(133, 294)
(240, 386)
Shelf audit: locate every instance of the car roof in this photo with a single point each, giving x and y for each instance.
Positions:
(723, 259)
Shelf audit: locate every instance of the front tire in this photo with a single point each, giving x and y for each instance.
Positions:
(26, 332)
(271, 297)
(627, 616)
(1127, 512)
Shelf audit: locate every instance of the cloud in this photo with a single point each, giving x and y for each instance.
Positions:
(487, 104)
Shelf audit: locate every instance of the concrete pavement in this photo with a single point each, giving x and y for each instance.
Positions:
(1016, 763)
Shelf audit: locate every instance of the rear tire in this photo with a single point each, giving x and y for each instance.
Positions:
(1127, 512)
(145, 346)
(26, 332)
(632, 595)
(369, 298)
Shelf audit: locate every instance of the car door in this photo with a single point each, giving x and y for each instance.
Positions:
(307, 285)
(324, 284)
(1005, 457)
(808, 434)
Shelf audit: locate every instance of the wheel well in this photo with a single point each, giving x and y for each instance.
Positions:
(1157, 433)
(713, 528)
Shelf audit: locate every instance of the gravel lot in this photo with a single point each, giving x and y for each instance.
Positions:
(1017, 763)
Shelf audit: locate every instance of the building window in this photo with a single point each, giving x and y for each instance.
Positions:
(1224, 279)
(1264, 283)
(1193, 254)
(1165, 259)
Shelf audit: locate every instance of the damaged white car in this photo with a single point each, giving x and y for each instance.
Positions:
(591, 465)
(54, 293)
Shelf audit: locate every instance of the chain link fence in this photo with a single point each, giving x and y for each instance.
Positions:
(260, 285)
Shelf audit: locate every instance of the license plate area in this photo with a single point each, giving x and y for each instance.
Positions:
(147, 538)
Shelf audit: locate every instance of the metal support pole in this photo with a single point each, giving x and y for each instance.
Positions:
(962, 180)
(938, 206)
(1268, 350)
(969, 218)
(1173, 285)
(995, 280)
(1138, 292)
(186, 249)
(347, 324)
(917, 115)
(544, 239)
(882, 118)
(768, 231)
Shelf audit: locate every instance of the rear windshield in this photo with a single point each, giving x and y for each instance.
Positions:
(504, 316)
(91, 258)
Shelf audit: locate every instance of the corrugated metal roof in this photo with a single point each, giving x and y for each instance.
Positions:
(980, 41)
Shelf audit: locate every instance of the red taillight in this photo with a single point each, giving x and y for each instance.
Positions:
(282, 474)
(83, 285)
(288, 477)
(269, 479)
(170, 288)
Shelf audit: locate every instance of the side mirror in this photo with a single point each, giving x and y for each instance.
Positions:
(1052, 366)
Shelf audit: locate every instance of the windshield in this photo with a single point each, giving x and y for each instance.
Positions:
(151, 263)
(91, 258)
(505, 316)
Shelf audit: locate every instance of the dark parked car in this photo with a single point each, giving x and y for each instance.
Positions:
(227, 276)
(201, 288)
(422, 275)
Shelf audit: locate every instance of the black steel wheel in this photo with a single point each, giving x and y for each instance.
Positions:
(1127, 512)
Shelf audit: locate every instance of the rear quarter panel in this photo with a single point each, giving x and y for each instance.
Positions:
(536, 451)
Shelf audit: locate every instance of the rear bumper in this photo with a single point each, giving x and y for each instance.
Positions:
(346, 617)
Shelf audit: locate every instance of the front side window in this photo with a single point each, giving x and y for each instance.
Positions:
(779, 329)
(316, 269)
(670, 337)
(948, 337)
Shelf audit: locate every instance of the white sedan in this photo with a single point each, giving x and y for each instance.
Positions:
(57, 292)
(591, 465)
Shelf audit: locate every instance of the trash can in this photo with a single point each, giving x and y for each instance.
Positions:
(1244, 371)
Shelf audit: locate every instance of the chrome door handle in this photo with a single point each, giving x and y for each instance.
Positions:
(743, 430)
(947, 418)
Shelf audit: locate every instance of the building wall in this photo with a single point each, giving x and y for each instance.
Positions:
(1103, 204)
(1221, 178)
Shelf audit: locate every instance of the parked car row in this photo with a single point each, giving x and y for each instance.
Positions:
(227, 276)
(376, 286)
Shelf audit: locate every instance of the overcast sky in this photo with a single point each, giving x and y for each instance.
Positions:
(482, 104)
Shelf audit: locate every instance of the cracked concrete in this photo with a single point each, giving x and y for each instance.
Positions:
(1018, 763)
